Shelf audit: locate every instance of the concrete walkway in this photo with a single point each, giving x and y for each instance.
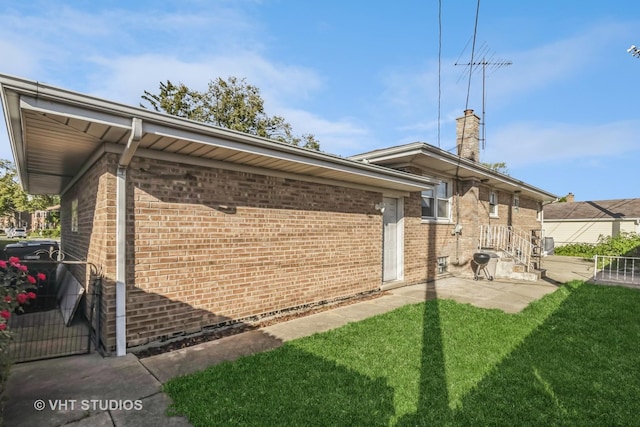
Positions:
(93, 391)
(563, 269)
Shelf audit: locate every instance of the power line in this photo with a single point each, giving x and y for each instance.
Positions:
(483, 64)
(439, 64)
(473, 51)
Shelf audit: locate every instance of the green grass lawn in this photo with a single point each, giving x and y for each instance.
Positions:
(571, 358)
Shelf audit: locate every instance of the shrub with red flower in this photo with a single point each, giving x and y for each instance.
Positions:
(16, 285)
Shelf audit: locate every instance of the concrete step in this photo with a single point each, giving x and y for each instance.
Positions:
(508, 268)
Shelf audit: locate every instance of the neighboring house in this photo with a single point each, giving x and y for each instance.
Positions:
(38, 219)
(192, 226)
(18, 219)
(42, 220)
(584, 222)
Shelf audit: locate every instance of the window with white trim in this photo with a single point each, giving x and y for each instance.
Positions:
(516, 203)
(436, 202)
(493, 203)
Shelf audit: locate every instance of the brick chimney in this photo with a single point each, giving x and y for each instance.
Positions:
(468, 136)
(570, 198)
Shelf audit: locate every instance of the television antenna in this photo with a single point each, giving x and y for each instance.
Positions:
(489, 64)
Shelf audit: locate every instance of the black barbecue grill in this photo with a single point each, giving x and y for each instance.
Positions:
(482, 260)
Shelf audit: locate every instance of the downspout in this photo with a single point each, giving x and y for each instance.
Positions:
(457, 226)
(121, 235)
(542, 250)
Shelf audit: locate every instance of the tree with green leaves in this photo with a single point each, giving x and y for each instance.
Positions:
(232, 103)
(13, 199)
(500, 167)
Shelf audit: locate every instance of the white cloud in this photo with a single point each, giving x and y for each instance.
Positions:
(344, 136)
(62, 40)
(413, 94)
(124, 78)
(117, 54)
(546, 65)
(20, 62)
(521, 144)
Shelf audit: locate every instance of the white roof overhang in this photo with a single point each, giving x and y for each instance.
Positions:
(443, 164)
(55, 133)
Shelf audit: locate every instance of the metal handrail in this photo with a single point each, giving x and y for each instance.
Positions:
(505, 238)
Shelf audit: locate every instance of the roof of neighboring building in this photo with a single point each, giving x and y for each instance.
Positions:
(445, 164)
(56, 134)
(598, 209)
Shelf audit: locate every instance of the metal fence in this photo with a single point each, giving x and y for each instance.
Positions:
(60, 321)
(616, 269)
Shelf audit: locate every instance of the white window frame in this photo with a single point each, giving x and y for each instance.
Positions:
(493, 203)
(437, 200)
(516, 203)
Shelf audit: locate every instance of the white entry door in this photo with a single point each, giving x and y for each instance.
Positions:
(393, 239)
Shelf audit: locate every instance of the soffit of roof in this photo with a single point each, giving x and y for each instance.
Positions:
(54, 132)
(443, 164)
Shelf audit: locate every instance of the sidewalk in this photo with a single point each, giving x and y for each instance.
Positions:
(89, 390)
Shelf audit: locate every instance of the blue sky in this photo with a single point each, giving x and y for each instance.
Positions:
(363, 74)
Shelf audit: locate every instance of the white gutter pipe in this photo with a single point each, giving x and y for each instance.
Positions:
(121, 236)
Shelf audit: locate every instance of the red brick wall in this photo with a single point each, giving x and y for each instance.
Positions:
(207, 245)
(211, 245)
(425, 241)
(525, 219)
(416, 248)
(94, 241)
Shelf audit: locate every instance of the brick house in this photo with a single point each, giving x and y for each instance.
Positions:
(193, 226)
(471, 206)
(17, 219)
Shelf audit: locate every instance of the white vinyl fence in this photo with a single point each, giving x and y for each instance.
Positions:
(616, 269)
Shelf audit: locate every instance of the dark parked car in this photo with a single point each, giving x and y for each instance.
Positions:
(32, 250)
